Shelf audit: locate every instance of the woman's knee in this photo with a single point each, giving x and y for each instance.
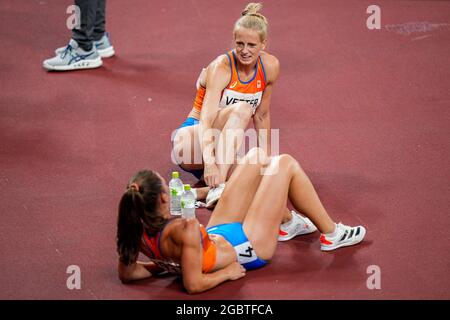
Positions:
(186, 149)
(242, 110)
(257, 155)
(286, 161)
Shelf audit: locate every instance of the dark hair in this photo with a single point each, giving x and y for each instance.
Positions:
(138, 209)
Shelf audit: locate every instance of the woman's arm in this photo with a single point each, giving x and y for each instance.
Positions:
(201, 82)
(261, 119)
(217, 78)
(137, 271)
(194, 279)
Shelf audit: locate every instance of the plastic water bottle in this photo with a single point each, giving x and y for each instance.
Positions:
(188, 203)
(176, 190)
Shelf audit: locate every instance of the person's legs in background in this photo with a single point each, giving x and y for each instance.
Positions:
(100, 37)
(89, 42)
(100, 21)
(84, 35)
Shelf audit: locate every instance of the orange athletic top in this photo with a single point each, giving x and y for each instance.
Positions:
(250, 91)
(152, 244)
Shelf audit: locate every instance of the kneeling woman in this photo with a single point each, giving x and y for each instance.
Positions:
(241, 233)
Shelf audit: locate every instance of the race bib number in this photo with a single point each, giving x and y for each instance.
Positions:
(245, 253)
(231, 97)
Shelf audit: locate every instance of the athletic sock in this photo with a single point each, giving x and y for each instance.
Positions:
(288, 223)
(332, 234)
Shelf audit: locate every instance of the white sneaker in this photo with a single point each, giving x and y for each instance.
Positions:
(298, 225)
(214, 195)
(345, 236)
(73, 58)
(103, 46)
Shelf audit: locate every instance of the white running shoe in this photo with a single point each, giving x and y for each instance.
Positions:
(298, 225)
(73, 58)
(103, 46)
(214, 195)
(345, 236)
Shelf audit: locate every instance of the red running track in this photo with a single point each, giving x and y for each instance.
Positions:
(366, 112)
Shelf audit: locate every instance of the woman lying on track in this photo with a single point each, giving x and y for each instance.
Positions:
(241, 233)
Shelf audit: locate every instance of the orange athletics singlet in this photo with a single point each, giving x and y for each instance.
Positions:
(250, 91)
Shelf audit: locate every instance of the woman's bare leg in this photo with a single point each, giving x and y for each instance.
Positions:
(240, 189)
(187, 150)
(261, 223)
(235, 117)
(287, 215)
(231, 125)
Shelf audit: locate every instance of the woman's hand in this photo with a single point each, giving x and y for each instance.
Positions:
(235, 271)
(211, 175)
(134, 271)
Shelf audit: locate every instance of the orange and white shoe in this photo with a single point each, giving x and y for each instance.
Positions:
(344, 236)
(298, 225)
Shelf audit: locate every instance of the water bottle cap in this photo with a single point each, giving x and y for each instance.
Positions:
(187, 187)
(175, 174)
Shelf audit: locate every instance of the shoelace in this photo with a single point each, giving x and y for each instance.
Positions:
(66, 50)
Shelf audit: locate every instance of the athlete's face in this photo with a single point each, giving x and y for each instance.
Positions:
(248, 45)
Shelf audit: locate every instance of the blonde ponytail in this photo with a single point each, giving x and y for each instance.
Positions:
(252, 19)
